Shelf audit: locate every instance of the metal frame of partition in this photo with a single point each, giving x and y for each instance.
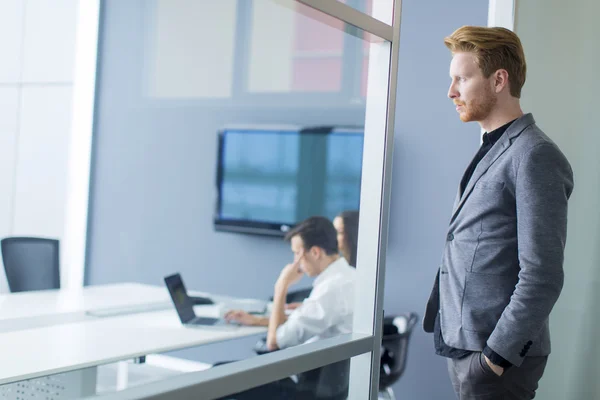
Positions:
(375, 199)
(363, 346)
(242, 375)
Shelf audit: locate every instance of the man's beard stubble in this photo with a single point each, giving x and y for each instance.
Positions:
(478, 110)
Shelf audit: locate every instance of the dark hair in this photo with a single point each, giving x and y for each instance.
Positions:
(350, 219)
(316, 231)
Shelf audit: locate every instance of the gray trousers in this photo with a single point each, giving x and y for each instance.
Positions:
(473, 379)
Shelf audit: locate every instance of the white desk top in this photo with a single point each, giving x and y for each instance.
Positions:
(53, 302)
(67, 347)
(50, 307)
(49, 332)
(118, 296)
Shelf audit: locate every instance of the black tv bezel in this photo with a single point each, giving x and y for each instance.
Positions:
(255, 227)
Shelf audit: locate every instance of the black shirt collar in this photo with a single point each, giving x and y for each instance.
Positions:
(492, 137)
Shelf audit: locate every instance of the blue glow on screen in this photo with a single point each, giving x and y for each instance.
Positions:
(284, 176)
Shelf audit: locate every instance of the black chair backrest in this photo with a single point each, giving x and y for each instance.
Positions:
(31, 263)
(296, 296)
(394, 343)
(330, 382)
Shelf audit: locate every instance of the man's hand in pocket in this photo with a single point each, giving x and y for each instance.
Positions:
(497, 369)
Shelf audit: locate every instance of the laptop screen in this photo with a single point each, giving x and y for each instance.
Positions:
(181, 300)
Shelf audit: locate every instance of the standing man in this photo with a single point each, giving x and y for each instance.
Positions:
(502, 266)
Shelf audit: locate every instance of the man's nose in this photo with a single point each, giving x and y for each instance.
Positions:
(452, 92)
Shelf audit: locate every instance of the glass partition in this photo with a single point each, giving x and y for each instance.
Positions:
(265, 114)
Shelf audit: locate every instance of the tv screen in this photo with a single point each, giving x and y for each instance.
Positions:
(269, 179)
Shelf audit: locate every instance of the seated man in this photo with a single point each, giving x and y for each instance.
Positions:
(328, 311)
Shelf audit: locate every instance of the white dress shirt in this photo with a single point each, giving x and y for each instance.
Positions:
(327, 312)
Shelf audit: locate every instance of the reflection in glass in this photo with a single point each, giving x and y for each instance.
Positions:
(292, 50)
(186, 59)
(267, 46)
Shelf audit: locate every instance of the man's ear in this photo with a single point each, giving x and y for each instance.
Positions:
(315, 251)
(500, 80)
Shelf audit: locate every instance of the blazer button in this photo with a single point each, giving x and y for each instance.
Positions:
(450, 237)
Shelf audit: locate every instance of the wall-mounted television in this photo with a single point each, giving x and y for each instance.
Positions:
(269, 178)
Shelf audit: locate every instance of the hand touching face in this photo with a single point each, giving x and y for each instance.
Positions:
(292, 272)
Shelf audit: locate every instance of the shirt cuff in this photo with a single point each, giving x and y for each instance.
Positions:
(496, 358)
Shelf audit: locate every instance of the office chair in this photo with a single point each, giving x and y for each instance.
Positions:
(296, 296)
(329, 382)
(394, 343)
(31, 263)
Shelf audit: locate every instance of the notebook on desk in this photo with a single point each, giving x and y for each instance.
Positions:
(185, 306)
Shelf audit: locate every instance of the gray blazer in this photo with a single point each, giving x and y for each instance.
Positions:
(502, 267)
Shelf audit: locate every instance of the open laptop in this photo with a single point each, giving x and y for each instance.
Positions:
(185, 305)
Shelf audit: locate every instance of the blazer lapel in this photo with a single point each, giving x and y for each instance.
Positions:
(456, 202)
(496, 151)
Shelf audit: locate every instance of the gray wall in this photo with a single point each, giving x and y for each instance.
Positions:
(545, 28)
(152, 188)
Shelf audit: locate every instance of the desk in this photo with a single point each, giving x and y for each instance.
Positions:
(51, 307)
(59, 346)
(68, 347)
